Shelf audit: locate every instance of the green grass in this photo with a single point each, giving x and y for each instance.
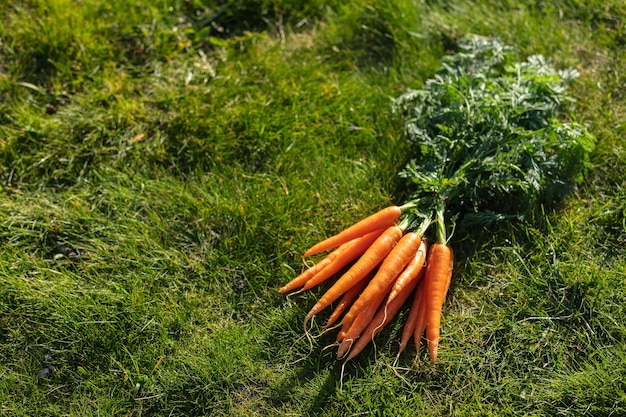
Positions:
(188, 152)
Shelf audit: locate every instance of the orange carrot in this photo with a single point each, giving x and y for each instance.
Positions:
(438, 275)
(384, 315)
(346, 325)
(347, 299)
(409, 326)
(384, 218)
(411, 272)
(344, 331)
(389, 270)
(366, 263)
(301, 279)
(360, 322)
(420, 323)
(359, 246)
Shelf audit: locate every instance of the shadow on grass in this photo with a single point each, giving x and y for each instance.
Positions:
(311, 368)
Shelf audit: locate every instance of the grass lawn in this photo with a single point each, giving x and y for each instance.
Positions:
(165, 163)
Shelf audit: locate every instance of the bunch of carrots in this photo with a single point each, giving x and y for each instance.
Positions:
(490, 146)
(386, 264)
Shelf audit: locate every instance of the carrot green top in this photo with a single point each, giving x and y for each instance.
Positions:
(490, 143)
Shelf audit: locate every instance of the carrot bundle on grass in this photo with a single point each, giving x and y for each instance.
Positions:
(383, 218)
(446, 182)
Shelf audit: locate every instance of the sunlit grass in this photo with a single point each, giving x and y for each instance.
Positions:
(163, 165)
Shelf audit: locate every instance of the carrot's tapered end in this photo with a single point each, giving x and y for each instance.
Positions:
(433, 347)
(308, 318)
(418, 342)
(344, 348)
(341, 335)
(316, 309)
(402, 347)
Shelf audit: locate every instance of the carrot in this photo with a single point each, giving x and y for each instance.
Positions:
(411, 272)
(366, 263)
(347, 299)
(359, 323)
(358, 247)
(344, 331)
(384, 315)
(346, 325)
(420, 323)
(409, 326)
(438, 275)
(301, 279)
(389, 270)
(383, 218)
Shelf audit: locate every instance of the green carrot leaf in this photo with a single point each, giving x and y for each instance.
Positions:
(490, 134)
